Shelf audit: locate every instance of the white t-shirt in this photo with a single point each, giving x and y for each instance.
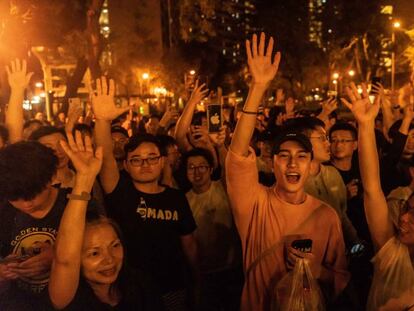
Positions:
(215, 234)
(392, 288)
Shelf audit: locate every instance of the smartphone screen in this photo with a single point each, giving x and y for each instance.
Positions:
(374, 81)
(214, 118)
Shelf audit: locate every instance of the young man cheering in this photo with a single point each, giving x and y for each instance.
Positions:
(270, 218)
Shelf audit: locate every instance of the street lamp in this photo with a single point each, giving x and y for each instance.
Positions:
(145, 76)
(335, 76)
(192, 72)
(395, 25)
(351, 73)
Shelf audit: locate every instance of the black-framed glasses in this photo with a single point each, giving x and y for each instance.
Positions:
(137, 162)
(201, 169)
(341, 141)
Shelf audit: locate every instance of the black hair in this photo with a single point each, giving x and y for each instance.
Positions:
(83, 128)
(44, 131)
(304, 125)
(166, 141)
(93, 218)
(25, 170)
(198, 152)
(344, 126)
(4, 134)
(395, 128)
(136, 140)
(119, 129)
(155, 116)
(197, 117)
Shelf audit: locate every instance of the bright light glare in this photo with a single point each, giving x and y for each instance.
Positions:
(192, 72)
(351, 73)
(39, 85)
(335, 75)
(396, 24)
(145, 76)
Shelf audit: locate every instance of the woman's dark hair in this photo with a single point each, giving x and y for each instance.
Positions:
(198, 152)
(395, 128)
(122, 281)
(44, 131)
(197, 118)
(25, 170)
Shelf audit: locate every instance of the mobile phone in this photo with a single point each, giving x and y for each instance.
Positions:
(374, 81)
(214, 118)
(357, 249)
(14, 259)
(305, 245)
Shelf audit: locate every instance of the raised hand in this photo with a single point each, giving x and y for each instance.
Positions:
(360, 105)
(198, 93)
(17, 74)
(86, 161)
(217, 139)
(103, 102)
(329, 105)
(261, 67)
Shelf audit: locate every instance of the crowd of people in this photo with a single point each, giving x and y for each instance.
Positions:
(280, 209)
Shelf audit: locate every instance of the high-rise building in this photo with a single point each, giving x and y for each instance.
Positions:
(316, 8)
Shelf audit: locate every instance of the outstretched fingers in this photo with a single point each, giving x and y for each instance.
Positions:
(254, 45)
(262, 44)
(269, 49)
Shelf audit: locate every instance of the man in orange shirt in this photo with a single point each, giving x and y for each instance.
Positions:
(269, 219)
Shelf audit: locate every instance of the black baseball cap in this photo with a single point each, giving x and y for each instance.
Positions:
(300, 138)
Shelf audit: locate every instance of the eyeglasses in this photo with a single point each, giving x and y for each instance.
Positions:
(322, 138)
(341, 141)
(201, 169)
(137, 162)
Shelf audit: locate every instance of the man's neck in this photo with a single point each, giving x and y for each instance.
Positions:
(315, 168)
(48, 204)
(203, 188)
(290, 197)
(343, 164)
(150, 187)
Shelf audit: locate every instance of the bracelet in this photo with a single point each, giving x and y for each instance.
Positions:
(249, 112)
(84, 196)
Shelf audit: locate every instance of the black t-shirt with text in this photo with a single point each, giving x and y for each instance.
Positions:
(152, 225)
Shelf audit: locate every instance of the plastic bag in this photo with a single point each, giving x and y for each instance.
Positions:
(298, 291)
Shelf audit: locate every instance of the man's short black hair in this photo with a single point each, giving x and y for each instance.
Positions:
(136, 140)
(304, 125)
(44, 131)
(197, 117)
(119, 129)
(166, 141)
(25, 170)
(4, 134)
(344, 126)
(198, 152)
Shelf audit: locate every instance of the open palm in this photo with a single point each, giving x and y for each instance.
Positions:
(17, 75)
(103, 102)
(360, 104)
(261, 67)
(80, 151)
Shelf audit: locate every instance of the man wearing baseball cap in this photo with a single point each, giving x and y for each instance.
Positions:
(270, 219)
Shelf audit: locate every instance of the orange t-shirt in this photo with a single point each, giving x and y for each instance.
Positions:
(264, 220)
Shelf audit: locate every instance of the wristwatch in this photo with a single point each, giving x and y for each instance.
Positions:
(84, 196)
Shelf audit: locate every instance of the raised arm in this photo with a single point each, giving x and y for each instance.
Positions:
(18, 79)
(66, 267)
(376, 210)
(105, 111)
(263, 70)
(183, 123)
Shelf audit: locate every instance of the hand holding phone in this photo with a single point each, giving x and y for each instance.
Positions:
(214, 118)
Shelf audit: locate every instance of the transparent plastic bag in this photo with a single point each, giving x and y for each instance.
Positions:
(298, 291)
